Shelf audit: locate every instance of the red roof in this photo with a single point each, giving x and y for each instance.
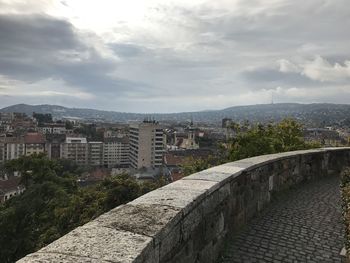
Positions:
(34, 137)
(170, 159)
(97, 175)
(176, 176)
(179, 142)
(10, 184)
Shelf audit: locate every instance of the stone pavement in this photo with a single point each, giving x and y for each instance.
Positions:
(301, 225)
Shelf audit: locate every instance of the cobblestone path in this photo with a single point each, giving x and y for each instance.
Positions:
(301, 225)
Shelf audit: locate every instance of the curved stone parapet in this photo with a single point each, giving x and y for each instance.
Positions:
(188, 220)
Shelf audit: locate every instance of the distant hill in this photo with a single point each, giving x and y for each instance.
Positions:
(318, 114)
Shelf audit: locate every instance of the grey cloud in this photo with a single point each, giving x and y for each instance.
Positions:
(273, 76)
(336, 58)
(282, 30)
(28, 44)
(214, 48)
(36, 33)
(35, 47)
(126, 50)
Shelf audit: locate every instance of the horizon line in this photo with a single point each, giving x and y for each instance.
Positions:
(182, 112)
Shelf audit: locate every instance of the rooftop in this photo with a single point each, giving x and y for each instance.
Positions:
(9, 185)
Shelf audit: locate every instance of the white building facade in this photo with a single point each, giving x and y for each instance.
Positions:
(116, 152)
(147, 144)
(76, 150)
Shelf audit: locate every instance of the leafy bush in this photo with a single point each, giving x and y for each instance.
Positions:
(53, 204)
(345, 190)
(254, 140)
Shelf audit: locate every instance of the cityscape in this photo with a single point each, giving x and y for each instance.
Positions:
(174, 131)
(112, 163)
(146, 150)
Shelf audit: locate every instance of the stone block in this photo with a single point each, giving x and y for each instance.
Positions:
(105, 244)
(212, 202)
(151, 220)
(191, 222)
(184, 194)
(221, 173)
(214, 226)
(56, 257)
(170, 243)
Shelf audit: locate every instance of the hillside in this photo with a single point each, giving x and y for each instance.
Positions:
(310, 114)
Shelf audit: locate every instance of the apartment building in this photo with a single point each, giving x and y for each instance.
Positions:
(147, 144)
(2, 149)
(6, 117)
(82, 152)
(53, 128)
(95, 153)
(13, 148)
(116, 152)
(76, 150)
(34, 143)
(53, 145)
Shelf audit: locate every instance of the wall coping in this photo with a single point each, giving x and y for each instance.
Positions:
(133, 232)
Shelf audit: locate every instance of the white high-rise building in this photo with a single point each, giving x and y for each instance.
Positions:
(146, 145)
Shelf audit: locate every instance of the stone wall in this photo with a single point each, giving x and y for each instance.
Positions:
(188, 220)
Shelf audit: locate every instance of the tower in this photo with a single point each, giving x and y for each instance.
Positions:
(146, 144)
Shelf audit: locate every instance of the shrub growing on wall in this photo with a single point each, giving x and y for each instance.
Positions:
(345, 188)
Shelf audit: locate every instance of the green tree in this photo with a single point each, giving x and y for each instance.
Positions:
(42, 118)
(193, 165)
(90, 131)
(253, 140)
(69, 125)
(53, 204)
(261, 139)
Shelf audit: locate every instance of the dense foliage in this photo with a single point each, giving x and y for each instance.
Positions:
(266, 139)
(90, 131)
(345, 189)
(253, 140)
(69, 125)
(42, 118)
(53, 204)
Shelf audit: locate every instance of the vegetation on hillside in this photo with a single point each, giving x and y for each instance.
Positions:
(42, 118)
(53, 204)
(311, 115)
(266, 139)
(90, 131)
(253, 140)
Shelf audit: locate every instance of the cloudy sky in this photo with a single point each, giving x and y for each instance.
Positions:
(173, 55)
